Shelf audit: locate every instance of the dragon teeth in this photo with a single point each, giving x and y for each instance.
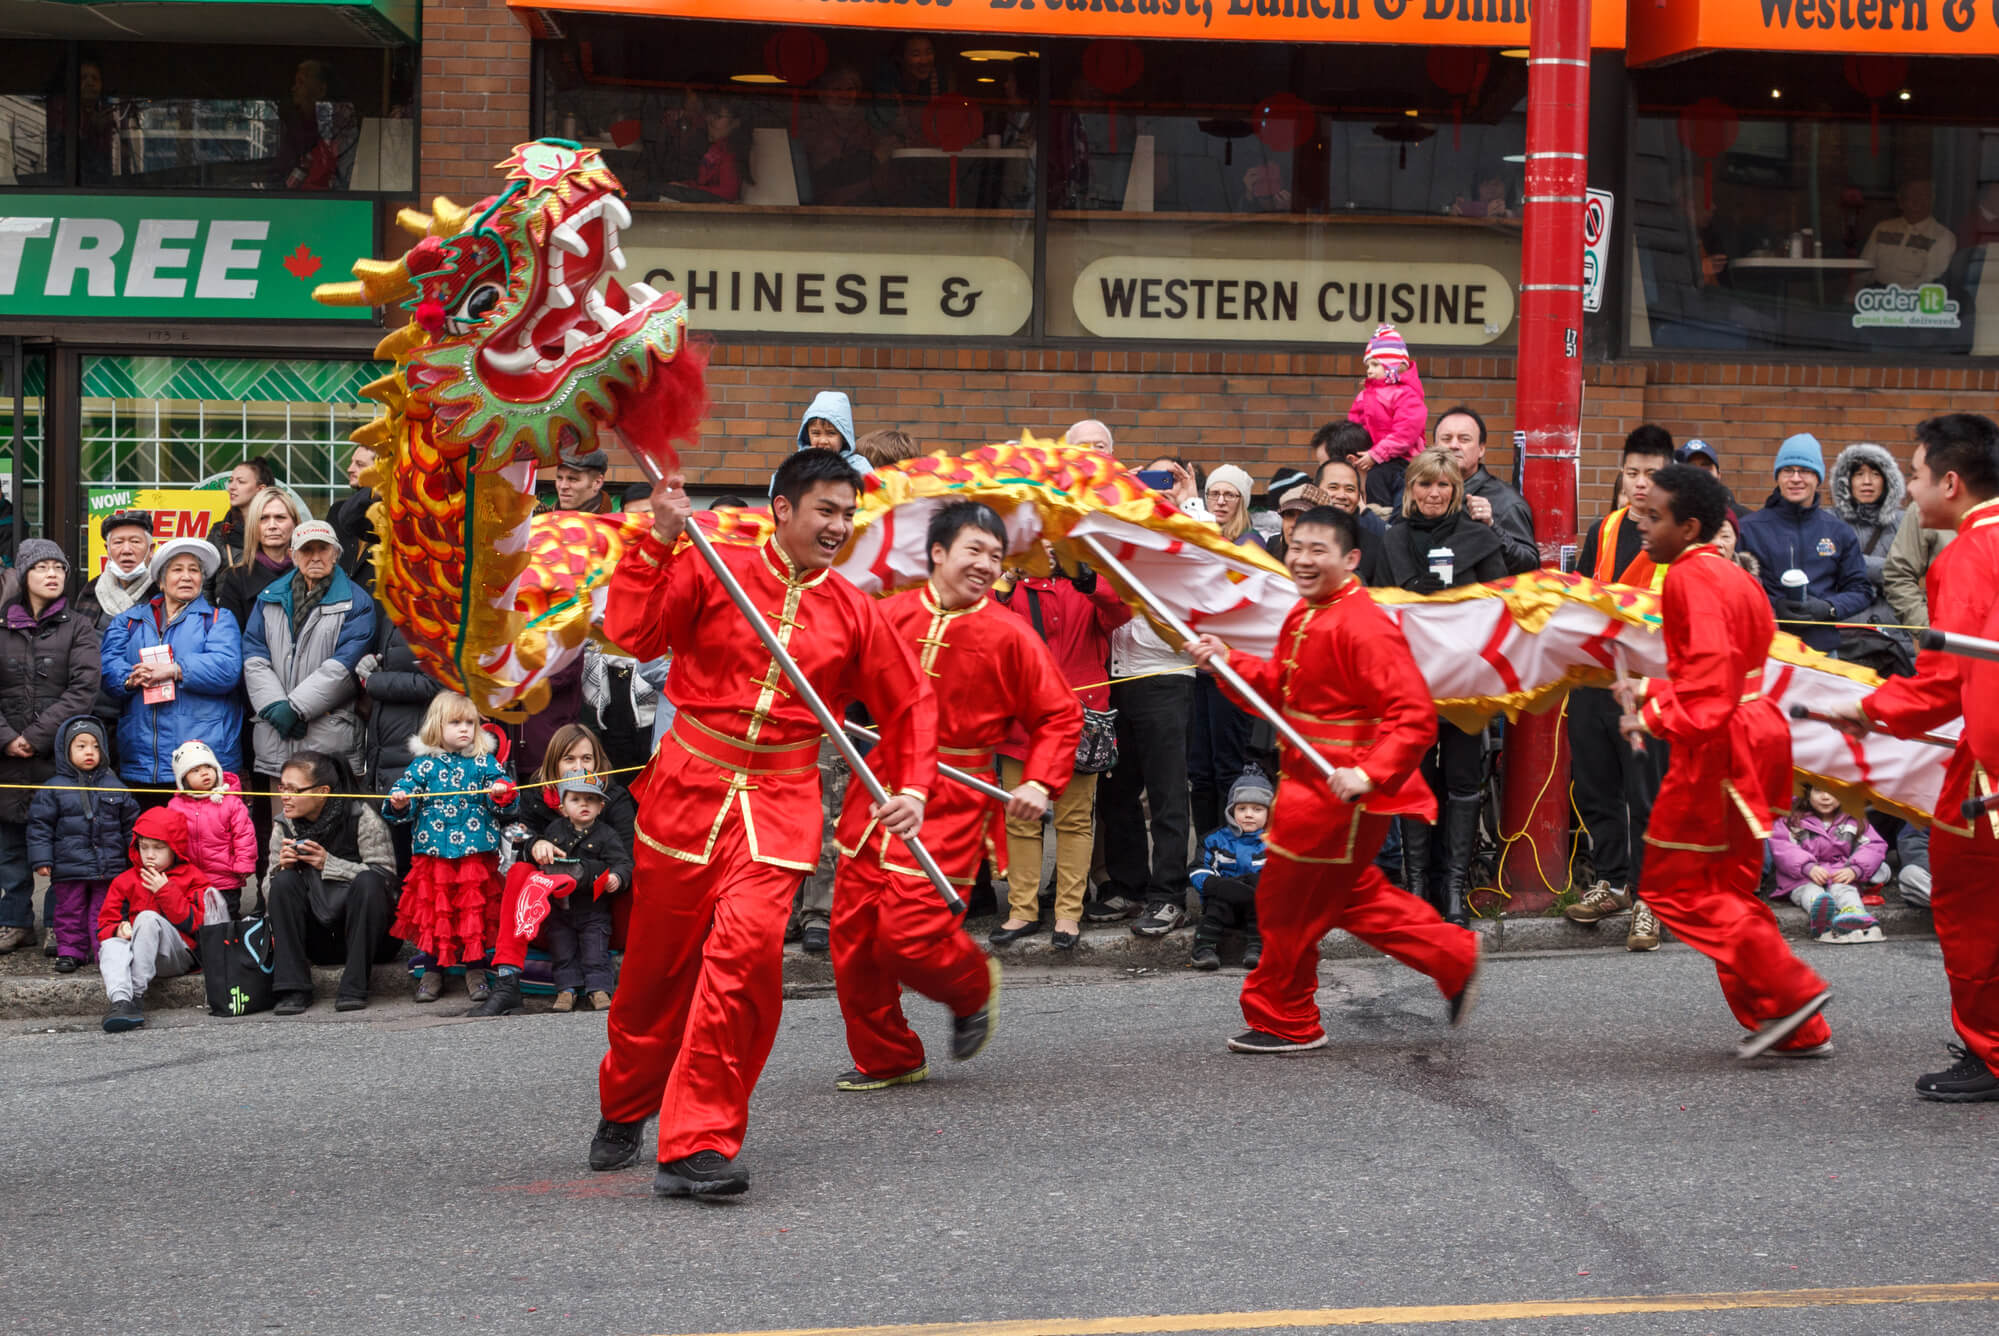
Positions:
(615, 211)
(560, 298)
(567, 239)
(640, 293)
(617, 258)
(573, 340)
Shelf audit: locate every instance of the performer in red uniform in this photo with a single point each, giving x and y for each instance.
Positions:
(729, 810)
(1345, 677)
(1955, 485)
(890, 929)
(1730, 770)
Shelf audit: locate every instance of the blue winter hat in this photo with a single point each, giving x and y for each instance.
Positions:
(1800, 451)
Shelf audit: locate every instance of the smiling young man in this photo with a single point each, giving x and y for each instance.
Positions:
(1344, 675)
(1730, 771)
(729, 809)
(890, 929)
(1954, 484)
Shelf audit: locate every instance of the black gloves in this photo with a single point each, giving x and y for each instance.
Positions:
(1426, 583)
(1805, 609)
(1084, 578)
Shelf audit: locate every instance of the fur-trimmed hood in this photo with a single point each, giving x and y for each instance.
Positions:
(1893, 497)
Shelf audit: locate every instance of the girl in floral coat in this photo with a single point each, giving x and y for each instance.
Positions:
(452, 794)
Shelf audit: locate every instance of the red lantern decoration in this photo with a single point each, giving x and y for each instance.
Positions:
(1459, 71)
(1284, 121)
(1874, 77)
(1112, 65)
(953, 124)
(1707, 130)
(797, 56)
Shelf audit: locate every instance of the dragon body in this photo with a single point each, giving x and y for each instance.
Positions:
(525, 345)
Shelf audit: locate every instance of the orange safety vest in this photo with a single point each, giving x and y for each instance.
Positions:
(1642, 571)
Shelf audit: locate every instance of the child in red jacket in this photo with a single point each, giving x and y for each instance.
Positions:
(150, 917)
(1390, 405)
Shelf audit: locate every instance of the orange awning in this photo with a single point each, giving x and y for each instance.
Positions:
(1669, 29)
(1433, 22)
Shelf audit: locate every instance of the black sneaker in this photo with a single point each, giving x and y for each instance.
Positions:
(1159, 919)
(65, 965)
(1964, 1082)
(1205, 957)
(1111, 909)
(350, 1004)
(856, 1079)
(817, 939)
(615, 1145)
(705, 1173)
(291, 1004)
(1466, 1000)
(124, 1016)
(1261, 1041)
(969, 1034)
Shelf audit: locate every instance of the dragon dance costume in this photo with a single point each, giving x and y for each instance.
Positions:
(730, 819)
(890, 929)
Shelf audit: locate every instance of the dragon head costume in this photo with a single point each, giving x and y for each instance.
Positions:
(525, 346)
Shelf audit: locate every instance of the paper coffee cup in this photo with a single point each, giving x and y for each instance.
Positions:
(1442, 563)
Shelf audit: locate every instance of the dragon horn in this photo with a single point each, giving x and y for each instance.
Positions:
(398, 342)
(382, 282)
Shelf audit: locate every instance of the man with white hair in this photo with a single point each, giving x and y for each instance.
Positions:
(1093, 434)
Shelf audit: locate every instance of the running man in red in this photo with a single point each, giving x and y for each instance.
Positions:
(1346, 679)
(890, 929)
(729, 809)
(1729, 773)
(1955, 484)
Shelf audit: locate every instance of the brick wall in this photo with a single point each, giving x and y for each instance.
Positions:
(475, 96)
(1259, 410)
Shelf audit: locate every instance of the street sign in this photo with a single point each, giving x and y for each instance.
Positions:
(1596, 248)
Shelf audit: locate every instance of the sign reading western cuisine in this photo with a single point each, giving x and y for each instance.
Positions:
(824, 292)
(1164, 297)
(188, 258)
(1850, 27)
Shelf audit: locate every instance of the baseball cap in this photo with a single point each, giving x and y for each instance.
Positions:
(314, 531)
(586, 784)
(1697, 446)
(1296, 500)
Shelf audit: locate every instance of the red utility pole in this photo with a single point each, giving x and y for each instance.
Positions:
(1548, 408)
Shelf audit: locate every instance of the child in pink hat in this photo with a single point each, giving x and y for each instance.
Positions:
(1390, 405)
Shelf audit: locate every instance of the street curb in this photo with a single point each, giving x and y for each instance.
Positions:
(1110, 946)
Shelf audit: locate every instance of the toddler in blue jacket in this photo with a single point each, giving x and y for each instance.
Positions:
(1231, 860)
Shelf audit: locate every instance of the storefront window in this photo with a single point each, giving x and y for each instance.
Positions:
(1815, 203)
(183, 423)
(31, 81)
(812, 181)
(21, 463)
(146, 115)
(1276, 193)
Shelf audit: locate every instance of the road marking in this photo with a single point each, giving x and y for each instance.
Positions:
(1145, 1325)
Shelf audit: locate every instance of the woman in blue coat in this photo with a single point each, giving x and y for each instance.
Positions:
(206, 671)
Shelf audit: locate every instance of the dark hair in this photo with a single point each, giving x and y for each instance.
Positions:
(954, 517)
(1649, 439)
(267, 470)
(1337, 440)
(1461, 410)
(638, 491)
(1966, 444)
(1696, 495)
(802, 470)
(1330, 517)
(735, 501)
(1339, 461)
(1194, 471)
(321, 768)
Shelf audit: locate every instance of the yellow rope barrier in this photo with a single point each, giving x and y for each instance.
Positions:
(360, 797)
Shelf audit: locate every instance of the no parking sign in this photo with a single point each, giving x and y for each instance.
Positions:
(1596, 248)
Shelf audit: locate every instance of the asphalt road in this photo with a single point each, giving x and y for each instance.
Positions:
(1588, 1135)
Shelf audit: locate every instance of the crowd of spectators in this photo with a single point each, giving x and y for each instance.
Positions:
(245, 696)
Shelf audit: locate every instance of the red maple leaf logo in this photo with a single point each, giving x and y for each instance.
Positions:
(302, 263)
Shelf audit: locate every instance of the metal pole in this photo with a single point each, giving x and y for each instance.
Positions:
(789, 667)
(1231, 676)
(950, 772)
(1817, 717)
(1548, 400)
(1951, 642)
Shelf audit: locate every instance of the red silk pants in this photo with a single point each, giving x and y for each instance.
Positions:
(1710, 902)
(1964, 899)
(1297, 904)
(892, 931)
(699, 994)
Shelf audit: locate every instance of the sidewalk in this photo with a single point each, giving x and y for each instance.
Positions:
(28, 988)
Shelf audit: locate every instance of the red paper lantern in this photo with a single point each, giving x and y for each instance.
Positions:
(1707, 130)
(953, 124)
(797, 56)
(1113, 65)
(1459, 71)
(1874, 77)
(1284, 121)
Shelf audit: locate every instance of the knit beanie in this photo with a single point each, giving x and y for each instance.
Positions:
(1228, 475)
(1387, 348)
(1251, 787)
(34, 551)
(192, 755)
(1800, 451)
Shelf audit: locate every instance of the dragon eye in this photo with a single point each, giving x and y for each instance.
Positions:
(473, 306)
